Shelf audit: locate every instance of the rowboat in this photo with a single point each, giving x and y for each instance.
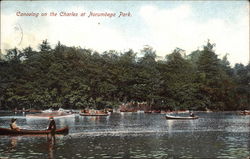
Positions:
(7, 131)
(89, 114)
(181, 118)
(245, 112)
(47, 115)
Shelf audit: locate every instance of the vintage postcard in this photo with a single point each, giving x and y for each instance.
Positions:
(124, 79)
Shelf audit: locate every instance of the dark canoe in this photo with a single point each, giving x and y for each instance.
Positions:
(156, 111)
(181, 118)
(88, 114)
(6, 131)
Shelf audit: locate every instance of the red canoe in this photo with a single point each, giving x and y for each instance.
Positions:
(6, 131)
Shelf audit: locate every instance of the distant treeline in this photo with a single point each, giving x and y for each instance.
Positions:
(72, 77)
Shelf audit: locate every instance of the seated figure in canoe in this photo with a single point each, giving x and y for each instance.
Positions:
(13, 125)
(191, 114)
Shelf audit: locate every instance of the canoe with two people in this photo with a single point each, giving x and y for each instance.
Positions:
(15, 130)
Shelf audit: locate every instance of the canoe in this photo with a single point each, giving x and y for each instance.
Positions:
(156, 111)
(47, 115)
(88, 114)
(245, 112)
(181, 118)
(7, 131)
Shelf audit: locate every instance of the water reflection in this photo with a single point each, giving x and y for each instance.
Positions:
(134, 135)
(51, 146)
(43, 123)
(13, 143)
(170, 125)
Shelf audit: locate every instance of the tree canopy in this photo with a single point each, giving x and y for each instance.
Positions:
(72, 77)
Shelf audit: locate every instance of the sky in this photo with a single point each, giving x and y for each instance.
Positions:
(163, 25)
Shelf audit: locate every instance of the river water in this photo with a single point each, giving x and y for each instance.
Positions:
(132, 135)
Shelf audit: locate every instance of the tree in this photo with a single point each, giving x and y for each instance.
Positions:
(44, 47)
(72, 77)
(178, 78)
(14, 55)
(242, 90)
(28, 52)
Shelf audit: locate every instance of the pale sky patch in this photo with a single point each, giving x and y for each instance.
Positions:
(177, 28)
(162, 25)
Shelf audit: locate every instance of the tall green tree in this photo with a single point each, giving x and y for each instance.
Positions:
(73, 77)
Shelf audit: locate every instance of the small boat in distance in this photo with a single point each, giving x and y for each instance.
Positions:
(65, 110)
(88, 114)
(245, 112)
(181, 118)
(148, 111)
(7, 131)
(47, 115)
(92, 112)
(50, 110)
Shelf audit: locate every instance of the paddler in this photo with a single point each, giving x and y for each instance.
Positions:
(52, 125)
(191, 114)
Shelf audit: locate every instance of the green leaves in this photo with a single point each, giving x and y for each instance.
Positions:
(72, 77)
(45, 47)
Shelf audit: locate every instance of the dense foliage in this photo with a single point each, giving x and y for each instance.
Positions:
(72, 77)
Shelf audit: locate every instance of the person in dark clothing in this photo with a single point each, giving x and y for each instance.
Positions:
(192, 114)
(52, 125)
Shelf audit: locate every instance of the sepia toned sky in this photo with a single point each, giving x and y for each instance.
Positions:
(164, 25)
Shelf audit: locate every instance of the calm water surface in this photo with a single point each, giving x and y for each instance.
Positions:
(133, 135)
